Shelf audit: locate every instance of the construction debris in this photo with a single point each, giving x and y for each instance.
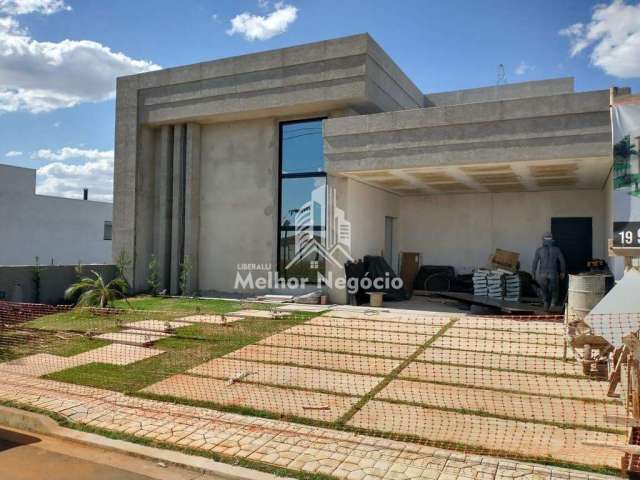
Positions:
(238, 376)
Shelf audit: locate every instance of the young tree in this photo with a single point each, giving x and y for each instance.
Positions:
(185, 274)
(95, 292)
(154, 277)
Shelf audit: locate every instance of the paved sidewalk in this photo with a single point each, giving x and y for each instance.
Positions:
(298, 447)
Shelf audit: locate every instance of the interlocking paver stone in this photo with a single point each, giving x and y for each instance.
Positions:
(487, 433)
(361, 335)
(39, 364)
(313, 358)
(117, 354)
(320, 406)
(557, 410)
(135, 339)
(340, 345)
(519, 382)
(390, 316)
(540, 326)
(212, 319)
(43, 363)
(284, 375)
(493, 346)
(505, 336)
(501, 361)
(425, 329)
(259, 314)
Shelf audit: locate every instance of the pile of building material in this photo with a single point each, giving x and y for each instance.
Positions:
(497, 284)
(480, 287)
(513, 287)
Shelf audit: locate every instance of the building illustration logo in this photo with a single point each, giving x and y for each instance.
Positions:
(321, 230)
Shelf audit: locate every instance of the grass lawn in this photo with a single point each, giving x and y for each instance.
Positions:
(139, 308)
(191, 346)
(192, 305)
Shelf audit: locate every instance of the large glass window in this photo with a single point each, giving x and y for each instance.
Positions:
(302, 200)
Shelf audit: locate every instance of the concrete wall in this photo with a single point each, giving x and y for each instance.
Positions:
(17, 283)
(366, 208)
(539, 88)
(546, 128)
(57, 230)
(238, 200)
(350, 74)
(464, 230)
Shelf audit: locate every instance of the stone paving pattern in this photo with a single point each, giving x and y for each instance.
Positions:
(390, 350)
(343, 455)
(300, 403)
(44, 363)
(488, 433)
(285, 375)
(521, 382)
(501, 361)
(363, 335)
(317, 359)
(302, 372)
(211, 319)
(496, 346)
(540, 408)
(136, 339)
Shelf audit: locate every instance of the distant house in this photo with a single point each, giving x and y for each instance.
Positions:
(56, 230)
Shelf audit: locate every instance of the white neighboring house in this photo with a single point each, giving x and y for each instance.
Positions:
(60, 231)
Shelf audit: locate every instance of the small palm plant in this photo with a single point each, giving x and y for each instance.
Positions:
(95, 292)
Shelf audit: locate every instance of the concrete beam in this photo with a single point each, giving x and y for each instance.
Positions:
(556, 127)
(538, 88)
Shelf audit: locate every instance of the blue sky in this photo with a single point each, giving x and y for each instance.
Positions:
(59, 58)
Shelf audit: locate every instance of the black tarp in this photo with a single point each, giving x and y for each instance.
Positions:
(373, 267)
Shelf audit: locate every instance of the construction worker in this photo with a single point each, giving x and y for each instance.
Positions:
(548, 269)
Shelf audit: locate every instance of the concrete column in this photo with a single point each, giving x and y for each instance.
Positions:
(192, 204)
(144, 212)
(163, 206)
(125, 166)
(177, 214)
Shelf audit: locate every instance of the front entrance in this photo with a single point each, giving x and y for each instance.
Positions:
(574, 237)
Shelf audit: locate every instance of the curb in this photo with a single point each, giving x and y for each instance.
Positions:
(38, 423)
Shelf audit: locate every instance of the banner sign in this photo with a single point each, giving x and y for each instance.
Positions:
(625, 120)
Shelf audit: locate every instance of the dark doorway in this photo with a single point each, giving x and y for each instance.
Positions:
(574, 236)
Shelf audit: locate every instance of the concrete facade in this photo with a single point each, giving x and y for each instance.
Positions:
(56, 230)
(197, 160)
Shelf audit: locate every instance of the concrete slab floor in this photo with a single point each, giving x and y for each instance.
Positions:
(27, 456)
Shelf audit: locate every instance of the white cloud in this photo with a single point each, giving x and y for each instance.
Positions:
(13, 153)
(523, 67)
(259, 27)
(43, 76)
(67, 180)
(23, 7)
(614, 34)
(70, 153)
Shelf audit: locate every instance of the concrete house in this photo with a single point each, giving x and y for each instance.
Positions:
(212, 159)
(60, 231)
